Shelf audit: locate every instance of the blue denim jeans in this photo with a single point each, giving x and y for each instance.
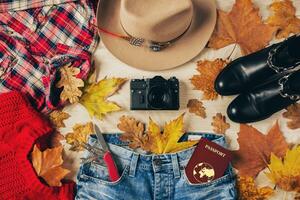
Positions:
(143, 177)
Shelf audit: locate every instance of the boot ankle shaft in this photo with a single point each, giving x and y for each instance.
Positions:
(294, 83)
(287, 54)
(294, 47)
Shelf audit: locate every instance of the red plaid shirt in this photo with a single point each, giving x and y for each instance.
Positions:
(37, 37)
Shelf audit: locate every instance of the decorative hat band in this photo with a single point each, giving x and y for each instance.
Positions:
(141, 42)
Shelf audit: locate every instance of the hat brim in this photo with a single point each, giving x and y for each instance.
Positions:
(182, 51)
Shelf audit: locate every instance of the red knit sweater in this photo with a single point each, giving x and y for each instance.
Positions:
(20, 126)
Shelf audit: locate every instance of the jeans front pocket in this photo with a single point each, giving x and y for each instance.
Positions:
(220, 188)
(228, 177)
(99, 174)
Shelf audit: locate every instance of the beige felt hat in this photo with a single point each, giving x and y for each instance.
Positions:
(181, 28)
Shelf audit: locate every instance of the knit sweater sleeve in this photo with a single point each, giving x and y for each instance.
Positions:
(18, 117)
(20, 128)
(18, 177)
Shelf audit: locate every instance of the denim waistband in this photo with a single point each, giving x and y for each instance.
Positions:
(153, 162)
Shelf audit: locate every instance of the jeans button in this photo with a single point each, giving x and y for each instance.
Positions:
(157, 162)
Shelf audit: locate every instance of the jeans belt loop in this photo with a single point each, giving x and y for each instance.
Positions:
(175, 164)
(133, 164)
(230, 170)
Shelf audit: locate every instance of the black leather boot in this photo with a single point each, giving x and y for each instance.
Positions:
(245, 73)
(265, 100)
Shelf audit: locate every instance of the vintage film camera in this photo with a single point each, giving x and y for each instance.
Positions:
(154, 94)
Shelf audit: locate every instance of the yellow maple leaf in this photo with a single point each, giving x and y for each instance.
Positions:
(80, 134)
(155, 142)
(285, 173)
(95, 97)
(70, 83)
(209, 71)
(167, 142)
(284, 18)
(48, 165)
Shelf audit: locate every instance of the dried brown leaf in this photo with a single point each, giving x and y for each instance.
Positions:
(284, 18)
(56, 137)
(57, 118)
(293, 114)
(48, 165)
(247, 190)
(79, 135)
(70, 84)
(240, 26)
(209, 71)
(93, 75)
(196, 106)
(297, 196)
(219, 124)
(133, 132)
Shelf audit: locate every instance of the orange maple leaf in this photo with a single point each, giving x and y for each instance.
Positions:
(209, 71)
(256, 148)
(284, 18)
(242, 25)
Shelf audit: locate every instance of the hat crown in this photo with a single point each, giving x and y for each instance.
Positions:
(156, 20)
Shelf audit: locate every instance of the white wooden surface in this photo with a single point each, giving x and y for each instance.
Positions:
(109, 66)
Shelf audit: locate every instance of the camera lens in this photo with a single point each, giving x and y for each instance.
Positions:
(159, 97)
